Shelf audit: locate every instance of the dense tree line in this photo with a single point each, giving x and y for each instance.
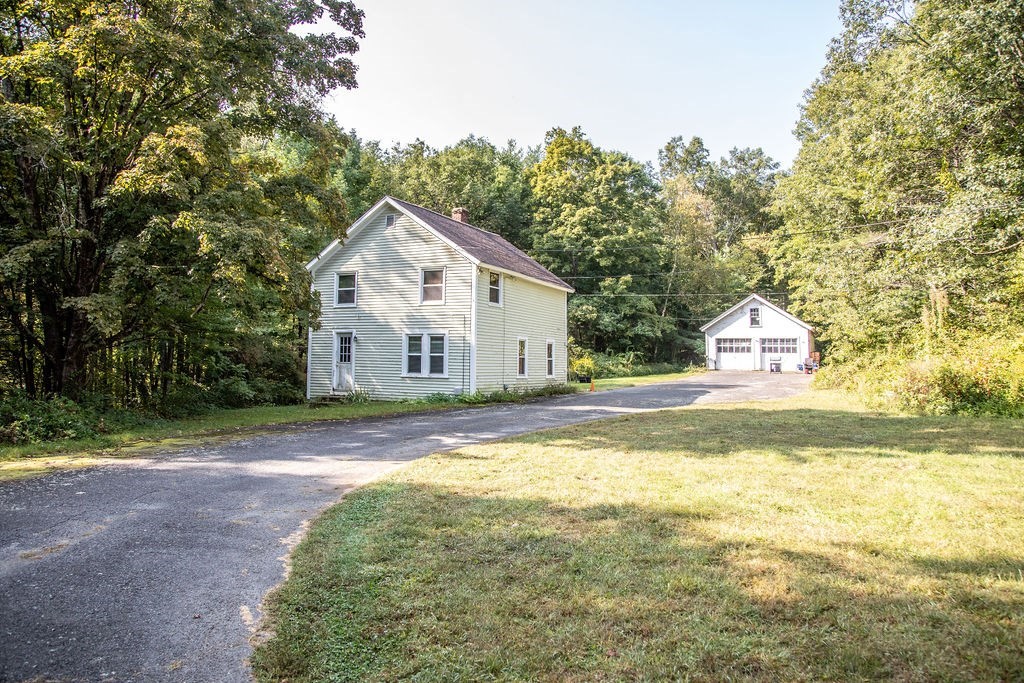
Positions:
(166, 171)
(652, 254)
(904, 212)
(148, 239)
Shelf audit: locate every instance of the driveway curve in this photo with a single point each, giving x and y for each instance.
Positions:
(153, 569)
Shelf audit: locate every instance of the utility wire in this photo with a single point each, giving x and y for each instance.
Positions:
(816, 231)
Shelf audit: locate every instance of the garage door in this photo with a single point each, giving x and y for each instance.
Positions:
(734, 354)
(782, 350)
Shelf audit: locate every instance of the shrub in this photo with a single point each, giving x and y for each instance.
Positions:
(631, 364)
(582, 366)
(511, 395)
(26, 420)
(954, 379)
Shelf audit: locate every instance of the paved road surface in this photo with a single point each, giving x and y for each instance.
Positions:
(153, 569)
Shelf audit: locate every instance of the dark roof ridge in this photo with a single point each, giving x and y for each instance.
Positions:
(484, 246)
(448, 218)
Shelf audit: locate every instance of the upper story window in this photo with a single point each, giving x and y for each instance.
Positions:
(755, 316)
(432, 286)
(389, 220)
(494, 288)
(345, 289)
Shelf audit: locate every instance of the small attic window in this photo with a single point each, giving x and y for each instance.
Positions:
(755, 316)
(389, 220)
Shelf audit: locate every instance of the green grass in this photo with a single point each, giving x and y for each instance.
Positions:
(806, 539)
(620, 382)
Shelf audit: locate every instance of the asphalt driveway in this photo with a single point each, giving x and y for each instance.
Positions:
(153, 569)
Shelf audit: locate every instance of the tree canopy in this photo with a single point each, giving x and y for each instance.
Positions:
(904, 223)
(166, 171)
(132, 196)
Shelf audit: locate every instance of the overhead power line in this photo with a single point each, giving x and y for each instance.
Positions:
(964, 211)
(669, 294)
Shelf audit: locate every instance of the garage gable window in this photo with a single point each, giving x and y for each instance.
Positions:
(755, 316)
(725, 345)
(780, 345)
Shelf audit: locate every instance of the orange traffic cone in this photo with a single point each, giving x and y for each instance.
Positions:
(592, 385)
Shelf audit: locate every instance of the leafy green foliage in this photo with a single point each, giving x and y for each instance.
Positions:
(904, 222)
(487, 181)
(953, 379)
(649, 263)
(512, 395)
(631, 364)
(149, 224)
(27, 420)
(596, 223)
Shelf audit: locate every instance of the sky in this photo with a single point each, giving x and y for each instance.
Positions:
(630, 74)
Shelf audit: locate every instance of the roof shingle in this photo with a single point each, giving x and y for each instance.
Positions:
(487, 247)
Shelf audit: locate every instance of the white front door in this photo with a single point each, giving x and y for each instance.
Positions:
(344, 368)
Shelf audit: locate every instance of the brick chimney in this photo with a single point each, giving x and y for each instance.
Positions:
(460, 214)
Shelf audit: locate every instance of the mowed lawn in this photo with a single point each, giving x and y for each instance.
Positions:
(805, 539)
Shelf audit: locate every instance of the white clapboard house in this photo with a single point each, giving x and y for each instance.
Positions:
(755, 334)
(415, 303)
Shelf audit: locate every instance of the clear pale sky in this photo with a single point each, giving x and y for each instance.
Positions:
(631, 74)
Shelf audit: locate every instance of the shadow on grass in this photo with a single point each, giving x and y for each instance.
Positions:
(419, 581)
(793, 434)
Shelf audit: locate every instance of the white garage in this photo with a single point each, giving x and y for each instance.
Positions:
(755, 334)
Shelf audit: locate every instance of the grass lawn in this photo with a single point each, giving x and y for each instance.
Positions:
(620, 382)
(805, 539)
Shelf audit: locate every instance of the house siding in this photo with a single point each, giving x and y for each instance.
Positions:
(528, 310)
(774, 325)
(388, 261)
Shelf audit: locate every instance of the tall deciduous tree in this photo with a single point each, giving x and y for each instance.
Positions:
(119, 122)
(904, 205)
(717, 215)
(473, 173)
(597, 222)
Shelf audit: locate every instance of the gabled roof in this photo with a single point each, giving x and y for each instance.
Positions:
(763, 302)
(478, 246)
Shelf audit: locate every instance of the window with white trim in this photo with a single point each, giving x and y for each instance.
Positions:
(550, 354)
(345, 289)
(494, 288)
(725, 345)
(780, 345)
(755, 316)
(426, 354)
(432, 286)
(521, 365)
(389, 220)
